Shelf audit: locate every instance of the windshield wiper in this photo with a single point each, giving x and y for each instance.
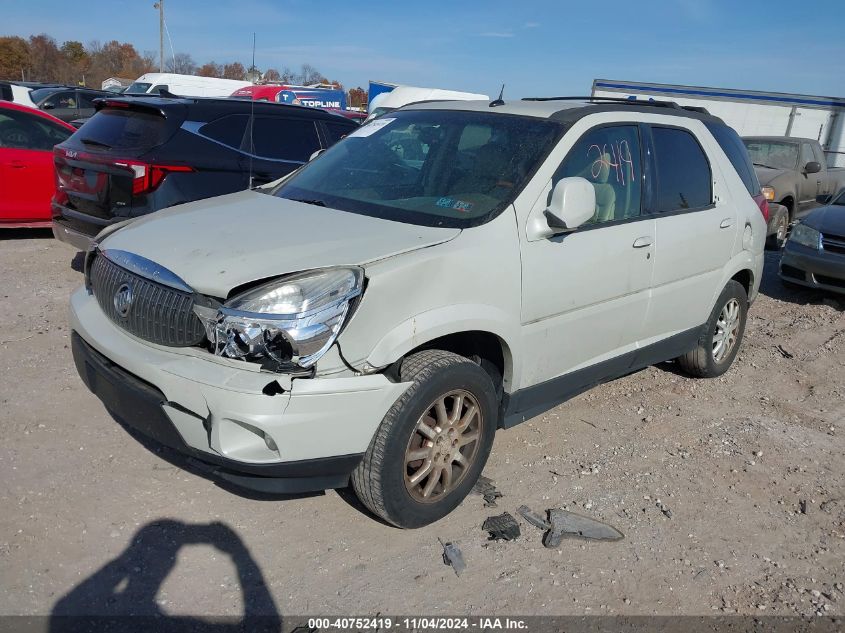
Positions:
(764, 165)
(318, 203)
(91, 141)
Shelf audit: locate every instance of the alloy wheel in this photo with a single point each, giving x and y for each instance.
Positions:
(443, 446)
(727, 330)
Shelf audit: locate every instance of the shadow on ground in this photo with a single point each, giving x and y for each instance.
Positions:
(26, 234)
(122, 594)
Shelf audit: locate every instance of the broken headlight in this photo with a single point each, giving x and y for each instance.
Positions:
(288, 323)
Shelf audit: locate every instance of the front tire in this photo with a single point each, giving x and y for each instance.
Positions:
(719, 344)
(433, 443)
(777, 240)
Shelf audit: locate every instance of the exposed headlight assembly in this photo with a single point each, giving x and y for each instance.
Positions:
(289, 323)
(806, 236)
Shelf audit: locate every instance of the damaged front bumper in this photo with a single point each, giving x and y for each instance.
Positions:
(257, 430)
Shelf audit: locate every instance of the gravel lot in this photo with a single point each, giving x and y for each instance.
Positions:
(749, 466)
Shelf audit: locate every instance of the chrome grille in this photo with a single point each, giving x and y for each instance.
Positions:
(833, 243)
(154, 312)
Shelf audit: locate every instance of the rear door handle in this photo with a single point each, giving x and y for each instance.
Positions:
(642, 242)
(726, 223)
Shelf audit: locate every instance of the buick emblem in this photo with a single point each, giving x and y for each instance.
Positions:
(123, 300)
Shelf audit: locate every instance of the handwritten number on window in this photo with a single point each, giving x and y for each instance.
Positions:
(619, 158)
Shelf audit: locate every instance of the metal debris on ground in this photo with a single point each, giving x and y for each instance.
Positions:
(487, 489)
(564, 523)
(784, 353)
(664, 509)
(452, 556)
(501, 527)
(533, 518)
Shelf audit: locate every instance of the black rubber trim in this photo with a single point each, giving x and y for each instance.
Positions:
(138, 405)
(531, 401)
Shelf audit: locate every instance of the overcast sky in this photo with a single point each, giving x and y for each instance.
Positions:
(535, 47)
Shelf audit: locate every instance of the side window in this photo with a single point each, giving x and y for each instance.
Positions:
(337, 131)
(806, 155)
(683, 172)
(818, 152)
(285, 139)
(86, 99)
(609, 157)
(157, 89)
(60, 100)
(735, 150)
(24, 131)
(228, 130)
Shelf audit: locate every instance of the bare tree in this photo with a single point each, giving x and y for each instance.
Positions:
(182, 64)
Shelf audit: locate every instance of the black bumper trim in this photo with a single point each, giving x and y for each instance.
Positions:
(138, 405)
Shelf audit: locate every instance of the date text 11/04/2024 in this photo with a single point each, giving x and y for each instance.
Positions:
(417, 623)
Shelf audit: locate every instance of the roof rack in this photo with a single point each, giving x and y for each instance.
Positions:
(624, 101)
(661, 104)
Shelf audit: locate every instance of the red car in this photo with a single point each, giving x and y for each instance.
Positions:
(27, 180)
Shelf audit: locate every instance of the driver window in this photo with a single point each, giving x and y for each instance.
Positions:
(806, 154)
(609, 158)
(61, 100)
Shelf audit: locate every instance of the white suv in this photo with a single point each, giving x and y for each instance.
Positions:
(443, 272)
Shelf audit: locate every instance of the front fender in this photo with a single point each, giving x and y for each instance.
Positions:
(446, 320)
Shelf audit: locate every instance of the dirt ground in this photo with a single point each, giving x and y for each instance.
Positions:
(730, 492)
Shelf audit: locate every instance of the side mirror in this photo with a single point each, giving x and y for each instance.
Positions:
(812, 167)
(47, 106)
(573, 203)
(315, 154)
(824, 198)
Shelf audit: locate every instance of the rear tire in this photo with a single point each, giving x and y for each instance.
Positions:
(719, 344)
(447, 419)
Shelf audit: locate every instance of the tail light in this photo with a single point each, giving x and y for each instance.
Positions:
(147, 176)
(763, 205)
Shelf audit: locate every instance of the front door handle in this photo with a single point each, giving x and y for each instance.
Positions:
(17, 164)
(642, 242)
(726, 223)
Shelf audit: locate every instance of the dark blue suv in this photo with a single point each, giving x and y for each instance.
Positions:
(138, 155)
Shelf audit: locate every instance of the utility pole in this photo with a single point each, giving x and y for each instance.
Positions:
(160, 6)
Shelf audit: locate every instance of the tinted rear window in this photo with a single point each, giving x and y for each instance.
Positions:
(683, 173)
(285, 139)
(125, 129)
(228, 130)
(735, 150)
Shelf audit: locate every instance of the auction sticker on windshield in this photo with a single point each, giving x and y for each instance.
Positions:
(371, 128)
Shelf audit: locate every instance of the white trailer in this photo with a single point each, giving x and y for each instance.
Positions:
(749, 112)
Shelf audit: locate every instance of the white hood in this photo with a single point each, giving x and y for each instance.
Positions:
(217, 244)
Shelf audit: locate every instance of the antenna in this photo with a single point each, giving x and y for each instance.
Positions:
(499, 102)
(252, 116)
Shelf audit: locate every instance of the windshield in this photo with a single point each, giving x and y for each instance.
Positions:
(774, 154)
(40, 94)
(430, 167)
(137, 88)
(840, 199)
